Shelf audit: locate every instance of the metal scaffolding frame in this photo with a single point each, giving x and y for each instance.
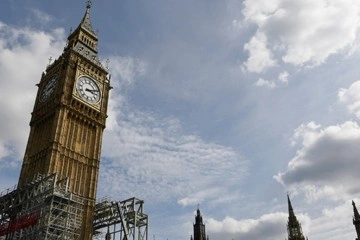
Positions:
(41, 210)
(123, 220)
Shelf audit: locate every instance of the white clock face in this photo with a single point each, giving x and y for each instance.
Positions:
(48, 89)
(88, 89)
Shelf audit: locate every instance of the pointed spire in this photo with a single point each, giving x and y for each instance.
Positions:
(291, 210)
(86, 22)
(199, 227)
(198, 212)
(356, 213)
(289, 203)
(293, 226)
(198, 217)
(356, 220)
(88, 4)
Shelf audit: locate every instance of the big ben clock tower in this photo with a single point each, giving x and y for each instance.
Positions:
(68, 119)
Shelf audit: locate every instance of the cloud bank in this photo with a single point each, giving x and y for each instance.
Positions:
(24, 53)
(326, 164)
(300, 33)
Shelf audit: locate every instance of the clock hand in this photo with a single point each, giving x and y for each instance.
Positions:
(92, 91)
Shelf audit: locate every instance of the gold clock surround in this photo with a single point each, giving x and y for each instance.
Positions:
(88, 89)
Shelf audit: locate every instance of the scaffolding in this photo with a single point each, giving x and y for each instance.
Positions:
(123, 220)
(41, 210)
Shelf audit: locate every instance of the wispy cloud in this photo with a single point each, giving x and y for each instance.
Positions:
(42, 18)
(151, 156)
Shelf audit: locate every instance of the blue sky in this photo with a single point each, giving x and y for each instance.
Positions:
(227, 104)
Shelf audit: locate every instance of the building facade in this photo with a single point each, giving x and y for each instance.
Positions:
(68, 119)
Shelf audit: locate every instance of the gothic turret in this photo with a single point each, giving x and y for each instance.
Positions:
(199, 227)
(293, 226)
(356, 220)
(84, 39)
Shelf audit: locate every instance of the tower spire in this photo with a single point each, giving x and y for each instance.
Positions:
(84, 39)
(85, 22)
(199, 227)
(88, 4)
(294, 227)
(289, 205)
(356, 220)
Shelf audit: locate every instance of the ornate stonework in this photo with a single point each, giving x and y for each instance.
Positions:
(68, 120)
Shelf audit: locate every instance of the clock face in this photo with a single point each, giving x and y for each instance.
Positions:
(48, 89)
(88, 89)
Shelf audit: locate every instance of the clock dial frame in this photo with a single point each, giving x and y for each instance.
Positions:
(48, 89)
(88, 89)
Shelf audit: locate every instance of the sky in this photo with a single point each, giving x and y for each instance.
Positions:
(223, 105)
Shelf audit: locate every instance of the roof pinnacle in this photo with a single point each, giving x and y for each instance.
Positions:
(88, 4)
(356, 213)
(86, 23)
(289, 204)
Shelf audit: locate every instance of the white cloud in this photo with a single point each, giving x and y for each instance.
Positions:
(282, 80)
(351, 97)
(269, 226)
(332, 222)
(301, 32)
(265, 83)
(284, 77)
(326, 165)
(305, 132)
(260, 57)
(24, 54)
